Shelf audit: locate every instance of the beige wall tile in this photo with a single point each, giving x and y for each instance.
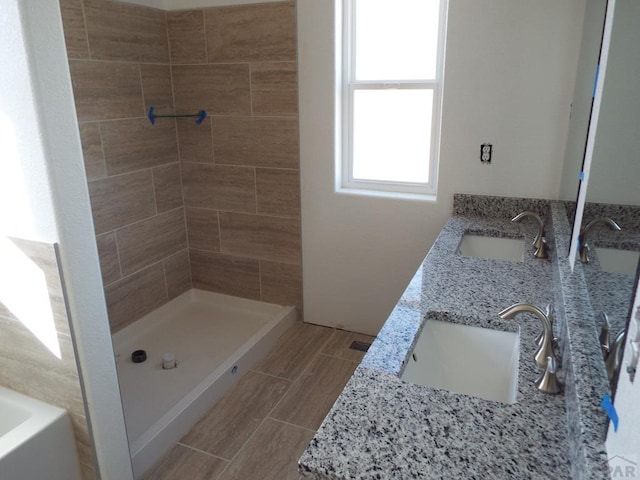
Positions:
(294, 350)
(281, 283)
(134, 296)
(88, 472)
(157, 89)
(131, 145)
(219, 187)
(109, 261)
(186, 463)
(167, 184)
(274, 88)
(271, 454)
(237, 415)
(121, 200)
(84, 444)
(94, 164)
(178, 274)
(251, 33)
(195, 141)
(278, 191)
(118, 31)
(225, 274)
(256, 236)
(106, 90)
(312, 396)
(187, 42)
(144, 243)
(75, 33)
(338, 345)
(262, 142)
(28, 366)
(202, 229)
(218, 89)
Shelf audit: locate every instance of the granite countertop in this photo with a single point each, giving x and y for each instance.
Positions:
(384, 428)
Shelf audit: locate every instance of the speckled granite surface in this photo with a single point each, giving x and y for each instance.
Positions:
(585, 375)
(383, 427)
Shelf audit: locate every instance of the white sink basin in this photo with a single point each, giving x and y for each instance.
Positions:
(613, 260)
(468, 360)
(494, 248)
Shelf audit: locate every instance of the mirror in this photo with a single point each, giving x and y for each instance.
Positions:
(613, 191)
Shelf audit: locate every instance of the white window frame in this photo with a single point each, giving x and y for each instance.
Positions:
(346, 183)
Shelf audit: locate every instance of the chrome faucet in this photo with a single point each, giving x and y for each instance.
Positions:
(539, 243)
(545, 356)
(605, 338)
(583, 241)
(545, 347)
(613, 358)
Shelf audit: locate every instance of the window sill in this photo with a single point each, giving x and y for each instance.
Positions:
(420, 197)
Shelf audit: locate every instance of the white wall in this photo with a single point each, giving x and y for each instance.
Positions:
(42, 161)
(25, 196)
(509, 75)
(582, 97)
(616, 158)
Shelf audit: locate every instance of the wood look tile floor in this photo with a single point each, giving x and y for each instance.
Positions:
(259, 429)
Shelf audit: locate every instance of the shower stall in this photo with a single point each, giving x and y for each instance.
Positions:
(197, 218)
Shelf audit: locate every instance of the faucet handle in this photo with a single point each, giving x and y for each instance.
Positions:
(548, 382)
(549, 311)
(541, 251)
(605, 339)
(539, 243)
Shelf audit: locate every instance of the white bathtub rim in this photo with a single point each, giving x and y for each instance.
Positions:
(38, 415)
(42, 445)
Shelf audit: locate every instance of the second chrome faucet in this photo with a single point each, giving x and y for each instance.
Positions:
(584, 231)
(545, 356)
(539, 242)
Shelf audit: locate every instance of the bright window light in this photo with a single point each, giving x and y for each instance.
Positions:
(396, 39)
(24, 291)
(391, 95)
(392, 135)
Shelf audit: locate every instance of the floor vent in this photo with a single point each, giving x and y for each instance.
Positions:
(361, 346)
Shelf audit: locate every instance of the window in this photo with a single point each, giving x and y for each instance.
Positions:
(391, 94)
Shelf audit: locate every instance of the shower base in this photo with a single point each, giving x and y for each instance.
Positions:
(215, 339)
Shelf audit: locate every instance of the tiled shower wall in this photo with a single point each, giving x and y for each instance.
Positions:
(119, 62)
(240, 172)
(177, 204)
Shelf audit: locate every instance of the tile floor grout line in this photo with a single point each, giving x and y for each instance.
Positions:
(203, 452)
(304, 370)
(268, 416)
(292, 424)
(357, 362)
(270, 375)
(322, 345)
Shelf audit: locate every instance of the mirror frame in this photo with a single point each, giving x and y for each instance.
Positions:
(592, 130)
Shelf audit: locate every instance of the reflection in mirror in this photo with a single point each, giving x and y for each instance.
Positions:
(582, 98)
(613, 191)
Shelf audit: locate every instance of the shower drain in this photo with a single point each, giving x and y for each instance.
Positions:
(361, 346)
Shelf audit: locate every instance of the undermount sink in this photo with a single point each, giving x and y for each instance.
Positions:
(613, 260)
(464, 359)
(493, 248)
